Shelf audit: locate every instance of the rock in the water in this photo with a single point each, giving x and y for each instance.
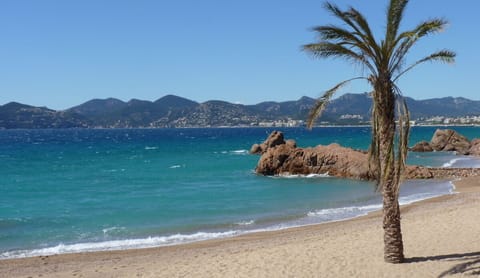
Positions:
(418, 172)
(286, 159)
(256, 149)
(333, 160)
(291, 143)
(474, 147)
(422, 146)
(273, 159)
(450, 140)
(274, 139)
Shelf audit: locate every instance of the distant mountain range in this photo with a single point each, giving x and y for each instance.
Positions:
(174, 111)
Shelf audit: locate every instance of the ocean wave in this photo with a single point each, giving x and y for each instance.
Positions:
(113, 230)
(116, 244)
(309, 176)
(175, 166)
(113, 170)
(245, 223)
(235, 152)
(151, 148)
(463, 162)
(342, 213)
(239, 152)
(451, 162)
(416, 197)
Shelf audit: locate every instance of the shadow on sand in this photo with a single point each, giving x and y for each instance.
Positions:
(469, 263)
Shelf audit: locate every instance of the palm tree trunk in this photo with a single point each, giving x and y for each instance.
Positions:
(392, 237)
(384, 101)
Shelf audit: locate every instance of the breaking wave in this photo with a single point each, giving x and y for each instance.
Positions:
(116, 244)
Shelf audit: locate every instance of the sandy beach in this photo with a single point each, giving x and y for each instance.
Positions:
(441, 238)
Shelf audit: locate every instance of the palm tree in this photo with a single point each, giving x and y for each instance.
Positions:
(384, 63)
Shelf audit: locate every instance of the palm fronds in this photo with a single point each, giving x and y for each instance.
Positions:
(395, 12)
(322, 102)
(445, 56)
(407, 39)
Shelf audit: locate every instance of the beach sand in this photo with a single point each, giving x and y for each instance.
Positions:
(441, 238)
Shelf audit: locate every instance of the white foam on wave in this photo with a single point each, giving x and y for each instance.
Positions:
(342, 213)
(245, 223)
(312, 217)
(175, 166)
(240, 152)
(463, 162)
(416, 197)
(113, 170)
(234, 152)
(112, 230)
(151, 148)
(116, 244)
(309, 176)
(451, 162)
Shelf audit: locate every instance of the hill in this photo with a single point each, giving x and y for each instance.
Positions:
(175, 111)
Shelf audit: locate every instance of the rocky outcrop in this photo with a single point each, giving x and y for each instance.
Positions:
(445, 140)
(333, 160)
(282, 158)
(274, 139)
(422, 146)
(419, 172)
(474, 147)
(450, 140)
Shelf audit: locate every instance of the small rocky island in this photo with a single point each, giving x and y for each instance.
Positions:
(283, 157)
(448, 140)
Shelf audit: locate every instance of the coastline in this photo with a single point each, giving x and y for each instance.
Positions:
(440, 236)
(239, 126)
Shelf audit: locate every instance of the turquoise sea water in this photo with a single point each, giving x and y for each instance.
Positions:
(84, 190)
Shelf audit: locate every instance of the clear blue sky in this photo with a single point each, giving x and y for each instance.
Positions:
(60, 53)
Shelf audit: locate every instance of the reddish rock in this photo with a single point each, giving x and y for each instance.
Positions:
(333, 160)
(256, 149)
(274, 139)
(475, 147)
(422, 146)
(273, 159)
(417, 172)
(286, 159)
(291, 143)
(450, 140)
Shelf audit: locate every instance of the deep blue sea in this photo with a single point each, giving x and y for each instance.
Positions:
(81, 190)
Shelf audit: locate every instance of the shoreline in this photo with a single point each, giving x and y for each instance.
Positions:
(439, 234)
(234, 127)
(362, 210)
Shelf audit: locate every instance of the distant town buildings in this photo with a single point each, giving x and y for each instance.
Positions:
(281, 123)
(442, 120)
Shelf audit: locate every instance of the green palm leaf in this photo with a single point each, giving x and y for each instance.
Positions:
(322, 102)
